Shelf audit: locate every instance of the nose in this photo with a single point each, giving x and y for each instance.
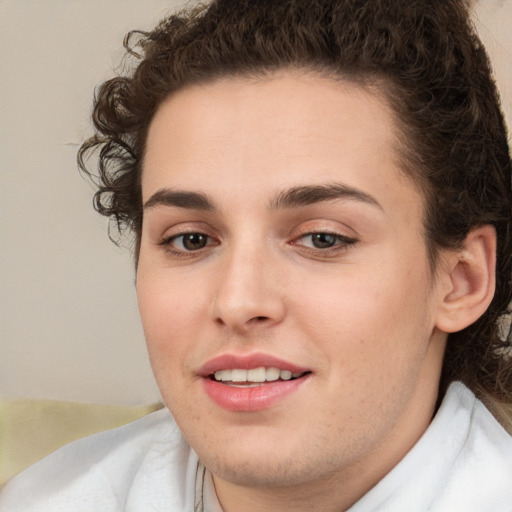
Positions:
(248, 292)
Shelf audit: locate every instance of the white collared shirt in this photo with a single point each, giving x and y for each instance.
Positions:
(463, 462)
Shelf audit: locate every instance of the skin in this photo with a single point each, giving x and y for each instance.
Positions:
(363, 316)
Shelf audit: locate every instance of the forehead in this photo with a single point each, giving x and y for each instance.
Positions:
(289, 127)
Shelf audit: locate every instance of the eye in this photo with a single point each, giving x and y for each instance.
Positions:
(324, 241)
(187, 242)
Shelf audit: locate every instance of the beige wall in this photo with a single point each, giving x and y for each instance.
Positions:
(493, 19)
(69, 325)
(68, 320)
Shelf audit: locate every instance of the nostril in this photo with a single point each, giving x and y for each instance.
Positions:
(254, 321)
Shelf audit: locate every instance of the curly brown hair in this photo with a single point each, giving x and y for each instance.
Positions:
(423, 55)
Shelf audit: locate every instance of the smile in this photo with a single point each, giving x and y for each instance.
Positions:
(254, 377)
(251, 382)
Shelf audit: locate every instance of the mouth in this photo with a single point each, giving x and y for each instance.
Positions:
(251, 382)
(254, 377)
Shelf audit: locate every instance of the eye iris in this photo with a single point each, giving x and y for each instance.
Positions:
(323, 240)
(194, 241)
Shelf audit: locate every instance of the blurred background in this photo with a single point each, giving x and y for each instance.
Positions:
(69, 327)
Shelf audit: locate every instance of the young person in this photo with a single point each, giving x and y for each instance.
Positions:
(320, 194)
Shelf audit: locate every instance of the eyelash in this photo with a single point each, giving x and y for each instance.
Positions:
(167, 244)
(340, 243)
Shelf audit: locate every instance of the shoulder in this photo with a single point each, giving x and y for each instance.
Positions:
(469, 455)
(481, 436)
(463, 461)
(481, 475)
(109, 471)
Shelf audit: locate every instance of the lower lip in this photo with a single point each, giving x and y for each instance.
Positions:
(246, 399)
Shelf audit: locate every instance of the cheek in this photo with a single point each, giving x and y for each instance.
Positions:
(169, 316)
(380, 316)
(169, 312)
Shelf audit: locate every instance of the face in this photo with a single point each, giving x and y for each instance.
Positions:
(283, 280)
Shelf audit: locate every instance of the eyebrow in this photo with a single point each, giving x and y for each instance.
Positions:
(291, 198)
(181, 199)
(311, 194)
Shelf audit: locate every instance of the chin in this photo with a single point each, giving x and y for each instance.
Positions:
(261, 473)
(269, 463)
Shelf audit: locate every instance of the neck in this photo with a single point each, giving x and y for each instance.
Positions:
(328, 495)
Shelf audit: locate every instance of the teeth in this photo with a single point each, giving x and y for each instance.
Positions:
(285, 375)
(223, 375)
(272, 374)
(239, 375)
(257, 375)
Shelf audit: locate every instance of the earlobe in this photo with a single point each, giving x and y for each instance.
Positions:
(469, 281)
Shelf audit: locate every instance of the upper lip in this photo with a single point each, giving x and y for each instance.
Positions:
(247, 362)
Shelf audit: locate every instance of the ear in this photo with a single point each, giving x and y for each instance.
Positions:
(467, 281)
